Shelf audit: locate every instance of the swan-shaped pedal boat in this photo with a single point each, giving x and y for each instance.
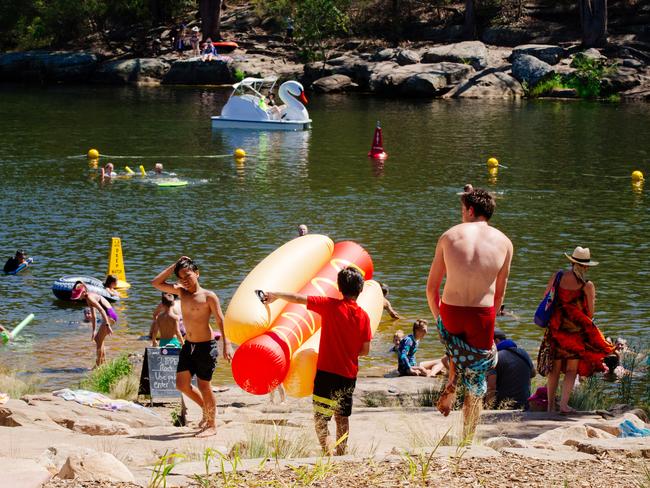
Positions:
(247, 107)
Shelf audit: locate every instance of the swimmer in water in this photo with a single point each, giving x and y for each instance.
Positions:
(108, 171)
(106, 311)
(302, 230)
(158, 168)
(111, 285)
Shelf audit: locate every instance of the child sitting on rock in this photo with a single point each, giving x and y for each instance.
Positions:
(406, 364)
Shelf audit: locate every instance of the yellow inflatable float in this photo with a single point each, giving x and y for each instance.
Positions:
(271, 336)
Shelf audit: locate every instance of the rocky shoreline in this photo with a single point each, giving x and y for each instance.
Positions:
(62, 443)
(470, 69)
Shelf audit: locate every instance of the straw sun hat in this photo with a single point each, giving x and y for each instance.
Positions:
(581, 256)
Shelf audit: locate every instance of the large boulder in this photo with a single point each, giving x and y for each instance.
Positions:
(472, 52)
(424, 85)
(407, 56)
(22, 473)
(506, 36)
(333, 83)
(385, 55)
(83, 465)
(530, 69)
(353, 66)
(140, 70)
(622, 79)
(47, 66)
(548, 53)
(389, 78)
(197, 72)
(488, 83)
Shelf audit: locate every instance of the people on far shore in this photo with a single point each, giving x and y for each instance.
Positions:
(195, 40)
(289, 33)
(338, 360)
(576, 345)
(475, 258)
(198, 356)
(303, 230)
(14, 262)
(209, 52)
(387, 305)
(509, 381)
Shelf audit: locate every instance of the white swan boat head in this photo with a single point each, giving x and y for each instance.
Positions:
(248, 108)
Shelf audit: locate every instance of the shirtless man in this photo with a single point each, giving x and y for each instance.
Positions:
(198, 355)
(475, 258)
(167, 323)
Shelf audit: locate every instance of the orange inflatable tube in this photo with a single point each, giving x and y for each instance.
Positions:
(261, 364)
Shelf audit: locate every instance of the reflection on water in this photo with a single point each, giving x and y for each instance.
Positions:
(566, 183)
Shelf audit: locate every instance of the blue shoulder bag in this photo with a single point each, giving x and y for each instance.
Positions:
(546, 306)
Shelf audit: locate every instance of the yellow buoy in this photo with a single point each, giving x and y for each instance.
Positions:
(93, 154)
(493, 163)
(142, 171)
(116, 263)
(637, 176)
(128, 170)
(240, 153)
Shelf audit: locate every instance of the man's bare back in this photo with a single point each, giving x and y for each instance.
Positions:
(168, 324)
(473, 253)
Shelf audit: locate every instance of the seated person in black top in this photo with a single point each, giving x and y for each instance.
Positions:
(509, 382)
(12, 263)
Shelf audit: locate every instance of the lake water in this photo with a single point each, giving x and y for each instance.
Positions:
(566, 183)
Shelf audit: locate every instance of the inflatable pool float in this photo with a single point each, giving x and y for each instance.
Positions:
(225, 46)
(271, 336)
(171, 183)
(62, 288)
(22, 266)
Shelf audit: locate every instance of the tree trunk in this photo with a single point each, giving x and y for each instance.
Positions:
(469, 29)
(210, 12)
(593, 20)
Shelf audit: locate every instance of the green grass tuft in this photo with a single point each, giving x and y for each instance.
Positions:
(108, 375)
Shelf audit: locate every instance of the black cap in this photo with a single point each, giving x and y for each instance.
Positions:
(499, 334)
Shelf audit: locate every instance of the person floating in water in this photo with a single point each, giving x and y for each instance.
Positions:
(198, 355)
(475, 257)
(13, 263)
(302, 230)
(167, 324)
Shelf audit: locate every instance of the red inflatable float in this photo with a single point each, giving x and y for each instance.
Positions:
(261, 363)
(225, 46)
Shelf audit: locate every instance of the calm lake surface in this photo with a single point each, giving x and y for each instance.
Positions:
(566, 183)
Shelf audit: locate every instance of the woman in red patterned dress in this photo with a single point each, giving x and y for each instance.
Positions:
(577, 345)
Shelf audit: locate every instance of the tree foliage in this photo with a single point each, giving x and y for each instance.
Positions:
(319, 20)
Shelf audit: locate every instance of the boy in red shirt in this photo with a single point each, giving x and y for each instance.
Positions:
(345, 335)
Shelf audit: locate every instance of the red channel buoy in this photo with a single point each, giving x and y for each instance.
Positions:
(377, 149)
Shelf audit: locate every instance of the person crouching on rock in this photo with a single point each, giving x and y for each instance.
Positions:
(338, 358)
(106, 311)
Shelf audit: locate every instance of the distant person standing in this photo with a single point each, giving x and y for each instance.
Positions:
(13, 263)
(198, 355)
(302, 230)
(509, 382)
(289, 35)
(194, 41)
(475, 257)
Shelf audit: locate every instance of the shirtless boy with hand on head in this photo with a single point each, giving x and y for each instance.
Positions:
(198, 355)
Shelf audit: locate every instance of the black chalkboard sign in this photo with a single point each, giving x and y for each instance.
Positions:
(158, 376)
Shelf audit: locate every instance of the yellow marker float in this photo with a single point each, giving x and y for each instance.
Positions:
(116, 264)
